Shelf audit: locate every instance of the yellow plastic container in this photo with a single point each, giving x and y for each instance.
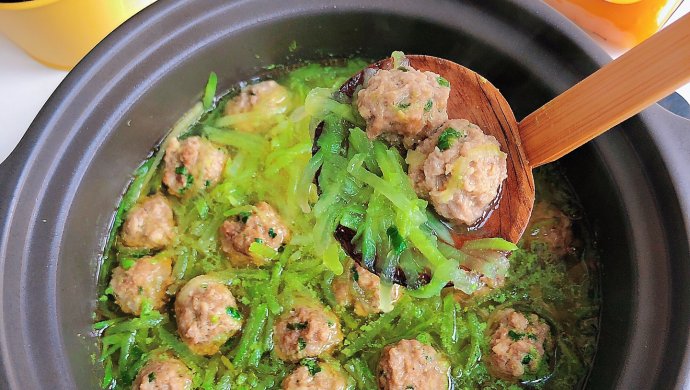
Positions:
(620, 23)
(59, 33)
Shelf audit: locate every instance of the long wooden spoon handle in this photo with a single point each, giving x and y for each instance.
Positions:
(619, 90)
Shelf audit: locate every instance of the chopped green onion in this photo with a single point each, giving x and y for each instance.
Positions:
(429, 104)
(515, 336)
(233, 312)
(448, 138)
(442, 82)
(301, 344)
(297, 325)
(312, 365)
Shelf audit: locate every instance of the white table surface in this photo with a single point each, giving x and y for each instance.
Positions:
(25, 85)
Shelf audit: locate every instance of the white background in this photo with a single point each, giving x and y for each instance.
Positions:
(25, 85)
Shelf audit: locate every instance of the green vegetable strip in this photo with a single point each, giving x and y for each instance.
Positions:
(210, 375)
(360, 143)
(331, 258)
(496, 244)
(250, 334)
(107, 375)
(440, 230)
(136, 324)
(327, 290)
(305, 181)
(362, 338)
(448, 324)
(263, 250)
(382, 186)
(361, 373)
(273, 288)
(125, 350)
(476, 338)
(190, 359)
(253, 143)
(210, 91)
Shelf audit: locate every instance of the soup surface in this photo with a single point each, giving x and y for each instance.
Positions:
(222, 271)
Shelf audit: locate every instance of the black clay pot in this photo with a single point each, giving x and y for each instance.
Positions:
(59, 188)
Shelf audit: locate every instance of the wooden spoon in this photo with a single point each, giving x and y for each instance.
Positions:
(619, 90)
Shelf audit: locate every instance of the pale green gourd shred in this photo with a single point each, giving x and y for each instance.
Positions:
(365, 188)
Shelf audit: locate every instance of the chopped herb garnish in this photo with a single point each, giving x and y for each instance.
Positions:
(443, 82)
(301, 344)
(447, 138)
(207, 183)
(233, 312)
(428, 105)
(403, 106)
(244, 216)
(189, 179)
(140, 290)
(258, 240)
(152, 377)
(402, 69)
(127, 263)
(297, 325)
(272, 233)
(527, 359)
(532, 336)
(515, 336)
(355, 274)
(311, 365)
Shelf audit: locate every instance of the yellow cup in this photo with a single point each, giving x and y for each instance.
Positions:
(59, 33)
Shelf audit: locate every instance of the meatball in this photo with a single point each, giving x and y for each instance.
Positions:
(149, 224)
(517, 344)
(207, 314)
(459, 169)
(167, 374)
(550, 226)
(409, 364)
(408, 103)
(362, 289)
(267, 98)
(306, 331)
(147, 279)
(192, 164)
(263, 225)
(316, 376)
